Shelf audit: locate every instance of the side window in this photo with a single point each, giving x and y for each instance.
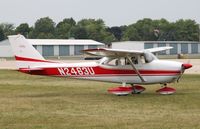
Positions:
(142, 59)
(114, 62)
(134, 60)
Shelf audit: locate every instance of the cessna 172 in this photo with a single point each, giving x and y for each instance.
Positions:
(132, 67)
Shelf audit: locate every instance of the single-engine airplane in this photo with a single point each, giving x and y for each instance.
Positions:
(132, 67)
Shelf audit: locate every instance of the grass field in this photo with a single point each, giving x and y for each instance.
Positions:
(35, 102)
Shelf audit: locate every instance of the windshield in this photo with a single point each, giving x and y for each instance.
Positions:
(148, 56)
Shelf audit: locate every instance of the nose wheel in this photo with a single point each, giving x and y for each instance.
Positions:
(166, 90)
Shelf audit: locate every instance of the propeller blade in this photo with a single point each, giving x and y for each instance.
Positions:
(182, 71)
(183, 67)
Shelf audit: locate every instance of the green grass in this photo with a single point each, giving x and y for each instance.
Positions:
(35, 102)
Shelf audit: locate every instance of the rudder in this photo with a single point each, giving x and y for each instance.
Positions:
(25, 54)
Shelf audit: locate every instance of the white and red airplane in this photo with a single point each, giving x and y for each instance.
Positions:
(132, 67)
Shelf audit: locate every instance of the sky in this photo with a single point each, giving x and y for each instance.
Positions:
(113, 12)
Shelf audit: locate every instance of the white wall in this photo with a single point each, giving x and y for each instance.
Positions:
(6, 51)
(128, 45)
(56, 50)
(71, 50)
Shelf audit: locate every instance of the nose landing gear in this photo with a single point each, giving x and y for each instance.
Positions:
(166, 90)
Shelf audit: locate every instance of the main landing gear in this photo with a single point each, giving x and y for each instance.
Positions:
(166, 90)
(125, 90)
(137, 89)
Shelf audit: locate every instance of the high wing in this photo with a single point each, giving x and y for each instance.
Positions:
(121, 52)
(111, 52)
(158, 49)
(124, 53)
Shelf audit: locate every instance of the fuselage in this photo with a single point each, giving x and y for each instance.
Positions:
(117, 65)
(157, 71)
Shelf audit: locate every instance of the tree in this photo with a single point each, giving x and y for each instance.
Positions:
(64, 28)
(93, 27)
(79, 32)
(96, 30)
(23, 29)
(131, 33)
(116, 31)
(145, 29)
(149, 30)
(152, 30)
(44, 28)
(2, 36)
(8, 29)
(108, 38)
(187, 30)
(165, 30)
(142, 30)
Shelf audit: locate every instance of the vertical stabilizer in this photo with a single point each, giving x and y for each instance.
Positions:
(22, 48)
(25, 54)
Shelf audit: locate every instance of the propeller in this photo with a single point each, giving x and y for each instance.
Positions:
(181, 73)
(183, 68)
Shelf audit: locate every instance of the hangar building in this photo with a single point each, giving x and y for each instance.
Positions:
(54, 47)
(179, 47)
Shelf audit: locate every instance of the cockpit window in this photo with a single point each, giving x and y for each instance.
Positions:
(147, 57)
(134, 59)
(112, 61)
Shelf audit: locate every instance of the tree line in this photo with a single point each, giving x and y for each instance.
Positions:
(143, 30)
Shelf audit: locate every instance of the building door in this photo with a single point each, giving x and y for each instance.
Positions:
(63, 50)
(194, 47)
(174, 50)
(184, 48)
(48, 50)
(77, 49)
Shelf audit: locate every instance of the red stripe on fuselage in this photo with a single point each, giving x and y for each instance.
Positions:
(99, 71)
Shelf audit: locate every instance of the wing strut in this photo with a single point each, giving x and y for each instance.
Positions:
(138, 73)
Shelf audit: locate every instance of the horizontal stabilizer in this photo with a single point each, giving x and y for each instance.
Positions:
(37, 71)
